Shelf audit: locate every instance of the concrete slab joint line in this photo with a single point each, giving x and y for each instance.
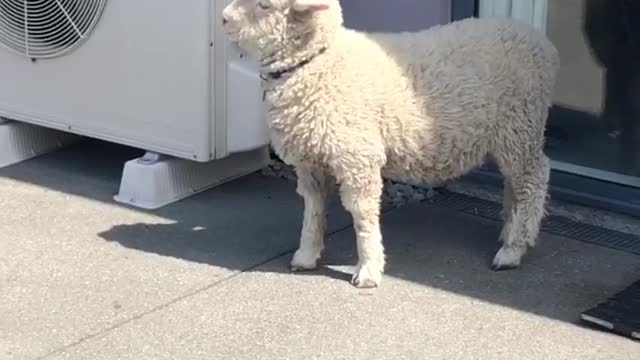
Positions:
(181, 298)
(158, 308)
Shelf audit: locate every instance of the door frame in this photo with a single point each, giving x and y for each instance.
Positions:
(461, 9)
(533, 12)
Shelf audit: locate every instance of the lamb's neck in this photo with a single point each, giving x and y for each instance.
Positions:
(274, 70)
(293, 54)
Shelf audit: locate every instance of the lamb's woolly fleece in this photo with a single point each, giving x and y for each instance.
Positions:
(415, 107)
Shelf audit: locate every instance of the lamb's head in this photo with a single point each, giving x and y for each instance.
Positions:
(277, 33)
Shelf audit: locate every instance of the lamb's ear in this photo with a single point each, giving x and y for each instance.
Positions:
(310, 5)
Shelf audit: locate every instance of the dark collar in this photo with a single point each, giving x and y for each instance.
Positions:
(274, 75)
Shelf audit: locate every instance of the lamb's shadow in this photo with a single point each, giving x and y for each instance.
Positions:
(427, 246)
(237, 226)
(243, 248)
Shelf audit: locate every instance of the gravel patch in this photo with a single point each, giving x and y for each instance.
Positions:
(394, 195)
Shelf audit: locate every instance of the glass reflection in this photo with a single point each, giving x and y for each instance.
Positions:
(596, 118)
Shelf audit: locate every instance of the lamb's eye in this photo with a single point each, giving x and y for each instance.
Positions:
(263, 6)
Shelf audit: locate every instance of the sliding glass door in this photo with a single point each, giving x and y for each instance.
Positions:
(594, 125)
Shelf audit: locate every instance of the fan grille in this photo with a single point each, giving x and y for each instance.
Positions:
(47, 28)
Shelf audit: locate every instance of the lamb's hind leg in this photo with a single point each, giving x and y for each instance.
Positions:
(529, 183)
(315, 187)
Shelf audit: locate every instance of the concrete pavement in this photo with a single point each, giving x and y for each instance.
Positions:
(206, 278)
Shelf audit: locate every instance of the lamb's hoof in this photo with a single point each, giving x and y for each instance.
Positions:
(303, 261)
(367, 276)
(508, 258)
(299, 269)
(495, 267)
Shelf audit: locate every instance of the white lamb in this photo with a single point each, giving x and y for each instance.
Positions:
(351, 108)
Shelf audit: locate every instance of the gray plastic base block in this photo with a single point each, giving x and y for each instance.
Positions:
(153, 181)
(21, 141)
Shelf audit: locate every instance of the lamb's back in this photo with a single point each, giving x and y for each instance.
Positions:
(437, 96)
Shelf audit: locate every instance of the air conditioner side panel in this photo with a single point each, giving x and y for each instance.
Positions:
(246, 123)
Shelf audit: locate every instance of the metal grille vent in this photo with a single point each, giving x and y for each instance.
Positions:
(47, 28)
(553, 224)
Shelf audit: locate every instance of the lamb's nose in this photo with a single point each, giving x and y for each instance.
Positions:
(224, 21)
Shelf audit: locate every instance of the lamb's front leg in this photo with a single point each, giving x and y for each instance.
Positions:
(314, 186)
(361, 197)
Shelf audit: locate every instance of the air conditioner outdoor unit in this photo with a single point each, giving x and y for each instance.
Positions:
(153, 74)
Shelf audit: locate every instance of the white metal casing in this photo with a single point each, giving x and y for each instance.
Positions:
(153, 74)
